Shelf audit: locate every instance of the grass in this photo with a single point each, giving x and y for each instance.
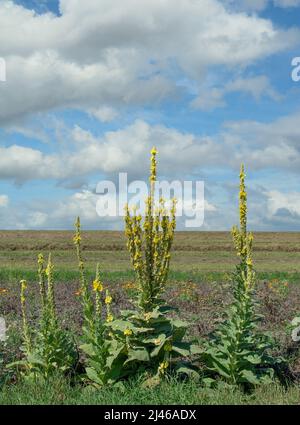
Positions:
(14, 275)
(57, 391)
(198, 286)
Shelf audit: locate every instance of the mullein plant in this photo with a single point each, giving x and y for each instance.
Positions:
(237, 351)
(147, 339)
(97, 346)
(48, 349)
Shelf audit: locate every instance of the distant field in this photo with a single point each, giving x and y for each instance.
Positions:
(199, 252)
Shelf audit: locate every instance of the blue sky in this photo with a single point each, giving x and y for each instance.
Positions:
(92, 85)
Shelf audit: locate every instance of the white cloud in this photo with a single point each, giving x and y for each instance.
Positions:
(283, 201)
(211, 98)
(112, 54)
(259, 145)
(126, 150)
(104, 114)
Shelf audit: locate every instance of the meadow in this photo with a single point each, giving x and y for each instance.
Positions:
(198, 285)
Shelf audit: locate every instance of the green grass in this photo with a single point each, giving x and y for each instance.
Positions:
(58, 391)
(14, 275)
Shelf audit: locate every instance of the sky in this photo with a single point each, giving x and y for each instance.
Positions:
(91, 86)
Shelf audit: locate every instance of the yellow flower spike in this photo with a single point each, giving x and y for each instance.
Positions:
(26, 332)
(154, 151)
(40, 259)
(23, 285)
(76, 239)
(149, 243)
(249, 262)
(109, 318)
(108, 299)
(128, 332)
(97, 286)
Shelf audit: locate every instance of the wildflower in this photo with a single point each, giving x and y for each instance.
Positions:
(147, 316)
(97, 286)
(157, 341)
(40, 259)
(163, 366)
(108, 299)
(76, 239)
(49, 269)
(109, 318)
(249, 262)
(23, 285)
(128, 332)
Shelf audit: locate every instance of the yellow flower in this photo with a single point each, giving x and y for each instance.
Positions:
(147, 316)
(97, 286)
(154, 151)
(40, 259)
(163, 366)
(77, 239)
(157, 341)
(23, 285)
(49, 269)
(128, 332)
(109, 318)
(108, 299)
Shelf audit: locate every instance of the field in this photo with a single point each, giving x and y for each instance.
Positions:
(198, 286)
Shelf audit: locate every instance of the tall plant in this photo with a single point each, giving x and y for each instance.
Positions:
(237, 351)
(147, 338)
(48, 348)
(96, 343)
(149, 244)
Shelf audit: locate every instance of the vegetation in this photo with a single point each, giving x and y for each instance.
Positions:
(47, 348)
(149, 343)
(237, 351)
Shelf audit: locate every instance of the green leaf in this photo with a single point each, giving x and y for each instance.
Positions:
(88, 349)
(138, 354)
(182, 348)
(249, 376)
(93, 376)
